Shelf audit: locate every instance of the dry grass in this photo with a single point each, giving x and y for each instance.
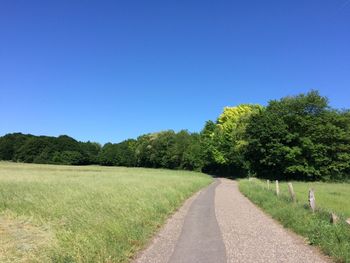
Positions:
(21, 240)
(94, 214)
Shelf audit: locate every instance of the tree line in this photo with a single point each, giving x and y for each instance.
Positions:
(28, 148)
(297, 137)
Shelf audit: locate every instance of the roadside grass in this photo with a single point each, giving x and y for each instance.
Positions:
(332, 197)
(334, 240)
(86, 213)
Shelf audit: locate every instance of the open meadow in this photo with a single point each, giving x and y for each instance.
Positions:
(331, 197)
(334, 239)
(52, 213)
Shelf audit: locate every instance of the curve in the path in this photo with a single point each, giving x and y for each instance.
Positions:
(252, 236)
(201, 239)
(219, 224)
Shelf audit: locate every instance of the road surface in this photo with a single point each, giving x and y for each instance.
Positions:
(219, 224)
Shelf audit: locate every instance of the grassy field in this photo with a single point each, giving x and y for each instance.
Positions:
(334, 240)
(85, 214)
(331, 197)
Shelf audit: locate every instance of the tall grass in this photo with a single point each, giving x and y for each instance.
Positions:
(90, 214)
(334, 240)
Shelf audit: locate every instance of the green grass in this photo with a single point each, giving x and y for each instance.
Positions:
(334, 240)
(85, 214)
(331, 197)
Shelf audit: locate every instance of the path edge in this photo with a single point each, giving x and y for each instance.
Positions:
(174, 224)
(299, 238)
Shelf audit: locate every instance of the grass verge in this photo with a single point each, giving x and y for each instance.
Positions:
(334, 240)
(85, 214)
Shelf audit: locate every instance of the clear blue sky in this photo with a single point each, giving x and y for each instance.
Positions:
(110, 70)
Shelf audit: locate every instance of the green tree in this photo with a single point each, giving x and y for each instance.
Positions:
(300, 137)
(192, 157)
(224, 142)
(31, 149)
(153, 150)
(168, 149)
(45, 149)
(91, 151)
(207, 144)
(119, 154)
(10, 143)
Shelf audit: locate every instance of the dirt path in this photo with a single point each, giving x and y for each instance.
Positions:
(220, 225)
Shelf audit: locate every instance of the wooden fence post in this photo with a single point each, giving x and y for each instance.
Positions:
(348, 221)
(277, 188)
(334, 218)
(268, 184)
(312, 199)
(291, 192)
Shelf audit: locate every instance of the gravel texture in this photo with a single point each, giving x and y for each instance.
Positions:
(252, 236)
(163, 244)
(219, 224)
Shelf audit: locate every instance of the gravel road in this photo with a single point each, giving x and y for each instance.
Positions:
(252, 236)
(219, 224)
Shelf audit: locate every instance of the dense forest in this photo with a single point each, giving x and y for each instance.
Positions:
(297, 137)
